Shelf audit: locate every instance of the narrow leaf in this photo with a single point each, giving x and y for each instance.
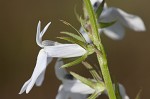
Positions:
(138, 96)
(98, 86)
(94, 96)
(104, 25)
(100, 9)
(73, 40)
(65, 22)
(92, 71)
(75, 62)
(67, 60)
(73, 36)
(84, 80)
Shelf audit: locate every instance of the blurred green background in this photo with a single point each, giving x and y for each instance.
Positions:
(128, 58)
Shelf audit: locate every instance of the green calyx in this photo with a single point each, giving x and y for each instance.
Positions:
(90, 49)
(99, 87)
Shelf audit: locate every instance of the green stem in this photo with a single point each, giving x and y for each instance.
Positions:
(101, 57)
(105, 72)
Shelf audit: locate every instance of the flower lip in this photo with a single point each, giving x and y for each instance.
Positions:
(38, 72)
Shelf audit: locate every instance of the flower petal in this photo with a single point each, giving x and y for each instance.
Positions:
(78, 96)
(24, 87)
(39, 34)
(123, 92)
(40, 79)
(65, 50)
(45, 29)
(38, 37)
(60, 72)
(85, 35)
(39, 69)
(131, 21)
(66, 94)
(116, 31)
(62, 94)
(76, 86)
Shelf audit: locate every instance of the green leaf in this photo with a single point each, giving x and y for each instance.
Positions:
(84, 80)
(94, 95)
(92, 71)
(138, 96)
(75, 62)
(73, 36)
(73, 40)
(104, 24)
(100, 9)
(98, 86)
(67, 60)
(65, 22)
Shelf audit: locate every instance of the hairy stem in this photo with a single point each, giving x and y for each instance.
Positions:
(101, 57)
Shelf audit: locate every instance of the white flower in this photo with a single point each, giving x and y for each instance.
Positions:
(70, 87)
(49, 49)
(116, 31)
(75, 89)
